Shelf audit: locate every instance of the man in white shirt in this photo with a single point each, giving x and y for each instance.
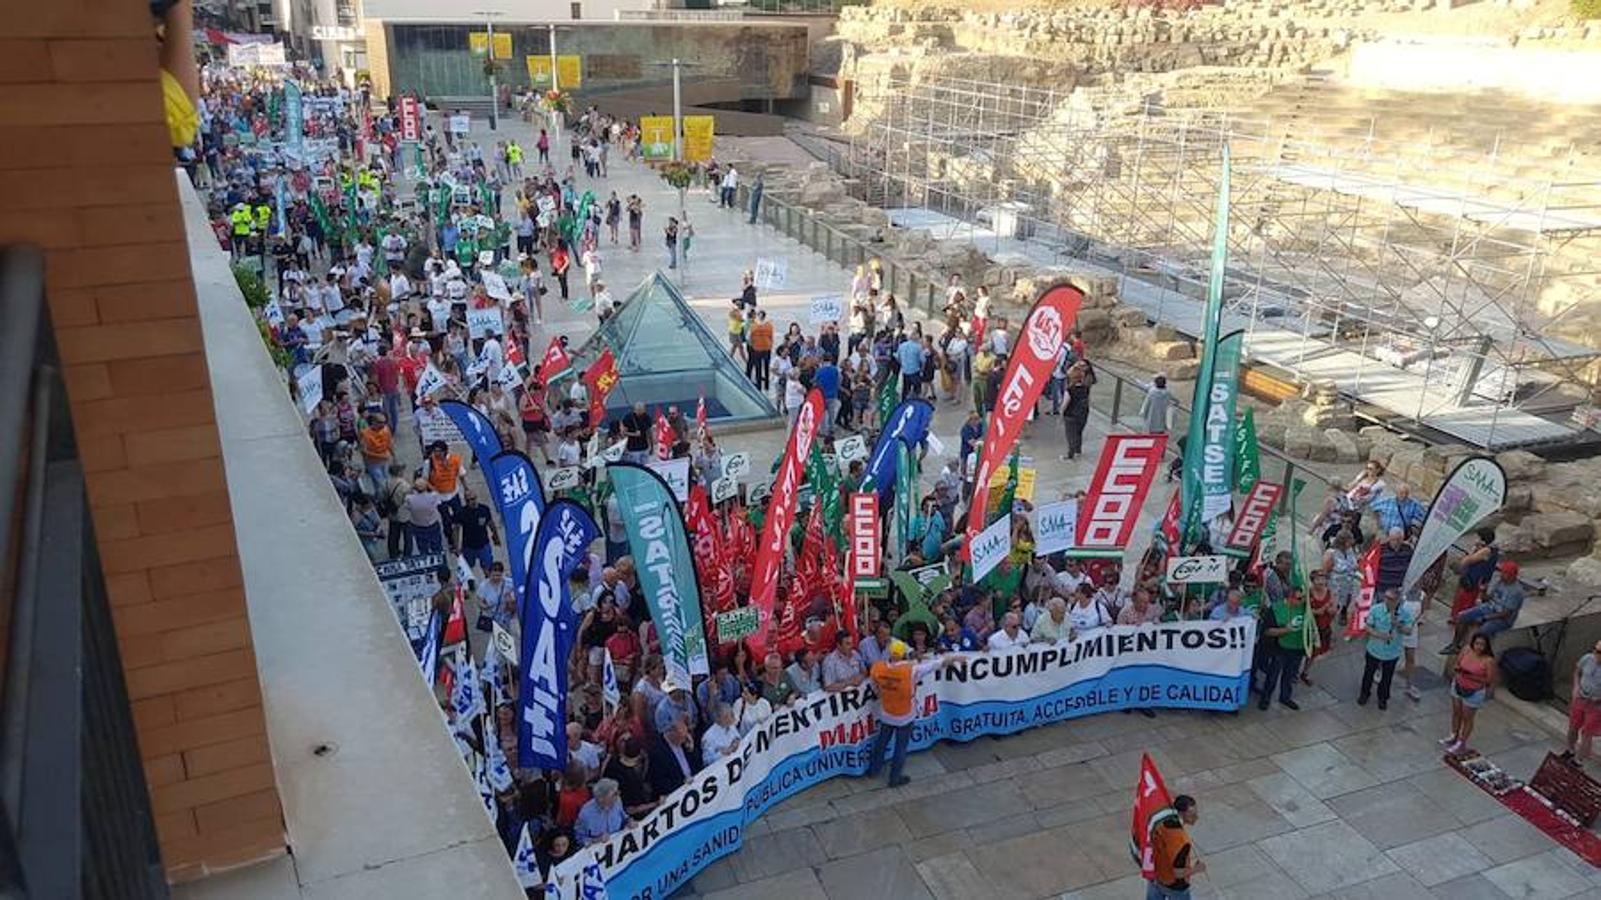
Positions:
(1010, 634)
(730, 187)
(399, 285)
(394, 248)
(493, 356)
(604, 304)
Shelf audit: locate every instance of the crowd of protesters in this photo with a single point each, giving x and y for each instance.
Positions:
(373, 292)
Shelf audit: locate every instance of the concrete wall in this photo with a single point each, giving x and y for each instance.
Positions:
(86, 173)
(1554, 76)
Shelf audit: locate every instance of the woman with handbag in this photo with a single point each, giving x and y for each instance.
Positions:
(1475, 677)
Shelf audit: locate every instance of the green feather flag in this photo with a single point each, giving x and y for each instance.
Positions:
(1247, 453)
(1211, 323)
(889, 395)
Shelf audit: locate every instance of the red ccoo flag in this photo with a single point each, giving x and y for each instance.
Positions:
(700, 417)
(664, 437)
(1151, 805)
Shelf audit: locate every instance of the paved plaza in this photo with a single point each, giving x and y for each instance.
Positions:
(1335, 800)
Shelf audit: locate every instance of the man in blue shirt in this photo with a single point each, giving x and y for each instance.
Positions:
(1503, 600)
(1387, 625)
(602, 816)
(955, 636)
(1399, 510)
(828, 383)
(910, 357)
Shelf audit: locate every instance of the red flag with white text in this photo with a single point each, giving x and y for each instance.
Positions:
(700, 417)
(1123, 475)
(1034, 355)
(664, 437)
(781, 510)
(555, 360)
(1252, 519)
(710, 561)
(1152, 804)
(1368, 567)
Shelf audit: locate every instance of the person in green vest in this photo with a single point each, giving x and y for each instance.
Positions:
(1285, 624)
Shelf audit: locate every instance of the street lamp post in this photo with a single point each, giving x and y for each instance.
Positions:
(489, 54)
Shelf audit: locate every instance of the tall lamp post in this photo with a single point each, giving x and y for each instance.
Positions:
(492, 67)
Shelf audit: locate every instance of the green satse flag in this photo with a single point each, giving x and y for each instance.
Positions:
(903, 498)
(1211, 323)
(1297, 577)
(1217, 450)
(660, 544)
(1247, 453)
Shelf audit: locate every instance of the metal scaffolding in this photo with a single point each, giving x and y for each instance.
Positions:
(1430, 284)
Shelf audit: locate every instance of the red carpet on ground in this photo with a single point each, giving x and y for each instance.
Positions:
(1537, 811)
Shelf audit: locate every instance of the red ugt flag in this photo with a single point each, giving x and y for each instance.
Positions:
(1151, 805)
(600, 378)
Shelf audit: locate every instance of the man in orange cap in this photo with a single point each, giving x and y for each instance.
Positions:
(1503, 599)
(896, 679)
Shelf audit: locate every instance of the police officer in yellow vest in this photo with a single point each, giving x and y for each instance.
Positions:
(241, 221)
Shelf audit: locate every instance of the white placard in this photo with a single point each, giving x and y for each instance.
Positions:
(1055, 525)
(565, 478)
(309, 381)
(990, 546)
(757, 492)
(505, 642)
(483, 322)
(935, 445)
(827, 309)
(1197, 570)
(723, 488)
(676, 473)
(772, 274)
(736, 465)
(496, 286)
(850, 449)
(460, 123)
(274, 314)
(430, 382)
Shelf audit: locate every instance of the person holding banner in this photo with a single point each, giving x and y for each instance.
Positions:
(896, 679)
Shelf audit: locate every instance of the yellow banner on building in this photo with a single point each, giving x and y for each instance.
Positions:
(478, 42)
(570, 70)
(698, 134)
(539, 71)
(656, 138)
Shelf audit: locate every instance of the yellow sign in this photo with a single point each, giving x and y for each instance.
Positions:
(570, 72)
(698, 132)
(656, 138)
(1025, 484)
(478, 42)
(539, 71)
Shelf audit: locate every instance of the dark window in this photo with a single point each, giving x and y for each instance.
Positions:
(578, 10)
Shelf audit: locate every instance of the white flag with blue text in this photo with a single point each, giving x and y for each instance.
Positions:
(609, 686)
(525, 862)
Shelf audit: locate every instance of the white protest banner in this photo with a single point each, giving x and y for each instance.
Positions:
(772, 274)
(430, 382)
(676, 473)
(410, 583)
(1055, 524)
(827, 309)
(484, 322)
(1184, 665)
(991, 545)
(1475, 489)
(460, 123)
(274, 314)
(506, 643)
(435, 425)
(724, 488)
(850, 449)
(563, 479)
(496, 287)
(736, 465)
(309, 383)
(1197, 570)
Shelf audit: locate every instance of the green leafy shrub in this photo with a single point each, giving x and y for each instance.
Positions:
(1587, 9)
(251, 285)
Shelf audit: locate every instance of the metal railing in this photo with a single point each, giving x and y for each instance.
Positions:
(75, 817)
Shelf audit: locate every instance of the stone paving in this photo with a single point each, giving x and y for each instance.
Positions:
(1333, 801)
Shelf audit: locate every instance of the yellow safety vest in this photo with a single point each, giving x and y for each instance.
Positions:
(263, 217)
(241, 221)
